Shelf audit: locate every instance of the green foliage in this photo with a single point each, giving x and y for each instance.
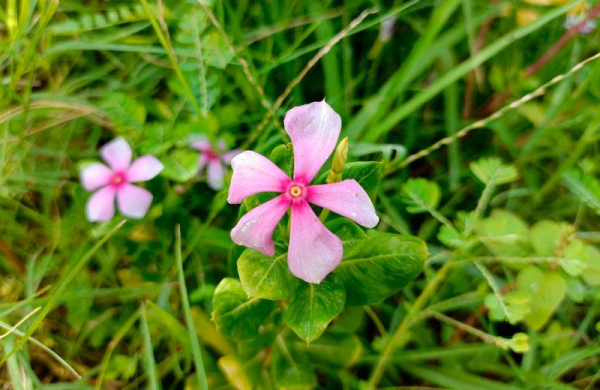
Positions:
(236, 315)
(420, 195)
(313, 306)
(481, 160)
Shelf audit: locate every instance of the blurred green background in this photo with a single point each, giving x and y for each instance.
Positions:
(508, 207)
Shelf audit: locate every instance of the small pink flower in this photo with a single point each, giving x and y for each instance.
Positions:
(214, 160)
(112, 182)
(313, 250)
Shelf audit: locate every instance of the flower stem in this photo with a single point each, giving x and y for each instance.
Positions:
(400, 332)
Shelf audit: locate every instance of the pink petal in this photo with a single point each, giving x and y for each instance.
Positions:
(144, 168)
(201, 144)
(314, 129)
(117, 154)
(202, 161)
(95, 175)
(101, 205)
(314, 251)
(346, 198)
(215, 175)
(228, 156)
(255, 229)
(253, 173)
(133, 201)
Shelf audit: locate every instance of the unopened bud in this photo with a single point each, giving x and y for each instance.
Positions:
(339, 160)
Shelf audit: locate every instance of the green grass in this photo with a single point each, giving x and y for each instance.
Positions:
(129, 305)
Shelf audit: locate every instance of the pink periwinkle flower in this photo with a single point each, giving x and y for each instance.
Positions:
(313, 251)
(215, 161)
(115, 180)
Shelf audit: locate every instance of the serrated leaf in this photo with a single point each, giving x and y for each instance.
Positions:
(378, 266)
(124, 111)
(585, 187)
(236, 315)
(313, 306)
(420, 195)
(492, 169)
(266, 277)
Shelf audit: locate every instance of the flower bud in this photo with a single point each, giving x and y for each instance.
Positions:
(339, 160)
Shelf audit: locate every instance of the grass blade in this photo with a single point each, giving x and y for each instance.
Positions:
(198, 362)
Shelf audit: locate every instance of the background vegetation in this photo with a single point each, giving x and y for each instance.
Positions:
(508, 204)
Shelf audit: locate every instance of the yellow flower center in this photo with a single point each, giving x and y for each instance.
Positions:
(295, 191)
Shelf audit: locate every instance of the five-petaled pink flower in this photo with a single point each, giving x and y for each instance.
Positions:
(214, 161)
(112, 182)
(313, 250)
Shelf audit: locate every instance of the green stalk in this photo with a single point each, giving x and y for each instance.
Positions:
(404, 326)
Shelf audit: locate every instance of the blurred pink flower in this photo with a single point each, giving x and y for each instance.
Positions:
(214, 161)
(313, 250)
(114, 181)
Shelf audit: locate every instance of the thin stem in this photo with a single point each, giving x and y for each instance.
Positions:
(496, 115)
(200, 371)
(400, 332)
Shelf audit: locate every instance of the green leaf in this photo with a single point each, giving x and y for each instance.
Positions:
(504, 234)
(420, 195)
(283, 157)
(378, 266)
(585, 187)
(266, 277)
(492, 169)
(181, 165)
(124, 111)
(367, 174)
(236, 315)
(592, 271)
(450, 237)
(545, 236)
(292, 371)
(575, 258)
(313, 306)
(241, 373)
(545, 290)
(333, 350)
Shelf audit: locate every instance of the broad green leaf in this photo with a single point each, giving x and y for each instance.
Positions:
(283, 157)
(236, 315)
(380, 265)
(367, 174)
(585, 187)
(504, 234)
(493, 170)
(575, 258)
(545, 236)
(420, 195)
(266, 277)
(592, 271)
(181, 165)
(313, 306)
(546, 290)
(333, 350)
(346, 230)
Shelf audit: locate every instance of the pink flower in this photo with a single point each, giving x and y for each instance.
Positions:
(313, 250)
(115, 181)
(214, 160)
